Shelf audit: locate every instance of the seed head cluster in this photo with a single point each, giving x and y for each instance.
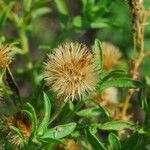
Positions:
(5, 56)
(70, 71)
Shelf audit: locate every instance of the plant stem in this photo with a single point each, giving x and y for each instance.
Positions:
(138, 33)
(25, 47)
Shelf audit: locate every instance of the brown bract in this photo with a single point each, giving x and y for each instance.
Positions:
(70, 71)
(5, 56)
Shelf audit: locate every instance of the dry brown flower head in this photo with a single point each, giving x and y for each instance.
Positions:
(70, 71)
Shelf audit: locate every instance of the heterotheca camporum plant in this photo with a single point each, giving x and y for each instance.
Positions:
(70, 71)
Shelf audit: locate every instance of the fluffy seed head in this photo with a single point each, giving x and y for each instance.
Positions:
(111, 55)
(5, 56)
(70, 71)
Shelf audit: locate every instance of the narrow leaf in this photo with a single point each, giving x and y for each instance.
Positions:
(94, 141)
(47, 111)
(89, 112)
(34, 117)
(119, 82)
(98, 51)
(62, 8)
(114, 141)
(113, 73)
(116, 125)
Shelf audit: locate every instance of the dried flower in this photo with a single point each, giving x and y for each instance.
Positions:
(70, 71)
(5, 56)
(23, 124)
(111, 55)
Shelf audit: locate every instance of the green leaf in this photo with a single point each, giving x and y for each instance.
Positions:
(4, 14)
(40, 11)
(62, 8)
(98, 51)
(119, 82)
(143, 100)
(27, 5)
(30, 115)
(63, 11)
(94, 141)
(34, 117)
(114, 141)
(113, 73)
(47, 111)
(77, 21)
(116, 125)
(98, 24)
(60, 131)
(147, 80)
(89, 112)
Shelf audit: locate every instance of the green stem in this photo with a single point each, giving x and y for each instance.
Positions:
(26, 52)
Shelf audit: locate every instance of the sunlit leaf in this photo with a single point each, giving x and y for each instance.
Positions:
(60, 131)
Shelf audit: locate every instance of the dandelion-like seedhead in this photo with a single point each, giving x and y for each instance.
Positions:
(70, 71)
(111, 55)
(5, 55)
